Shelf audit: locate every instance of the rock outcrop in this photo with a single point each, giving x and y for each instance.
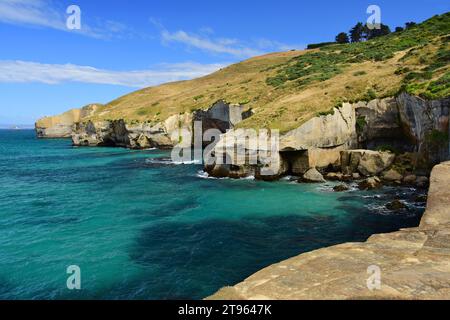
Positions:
(317, 143)
(413, 263)
(163, 135)
(426, 124)
(370, 183)
(378, 124)
(366, 162)
(313, 176)
(327, 131)
(60, 126)
(392, 175)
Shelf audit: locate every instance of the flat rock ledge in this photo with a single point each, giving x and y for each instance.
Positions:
(414, 263)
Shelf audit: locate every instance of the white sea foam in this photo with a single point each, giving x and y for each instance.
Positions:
(187, 162)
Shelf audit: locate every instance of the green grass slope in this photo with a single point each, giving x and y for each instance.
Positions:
(286, 89)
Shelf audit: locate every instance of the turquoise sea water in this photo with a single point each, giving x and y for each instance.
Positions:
(140, 227)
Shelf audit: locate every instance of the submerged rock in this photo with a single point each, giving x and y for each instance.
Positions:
(341, 188)
(422, 182)
(370, 183)
(422, 198)
(313, 176)
(396, 205)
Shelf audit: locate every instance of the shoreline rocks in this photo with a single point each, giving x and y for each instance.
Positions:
(313, 176)
(370, 183)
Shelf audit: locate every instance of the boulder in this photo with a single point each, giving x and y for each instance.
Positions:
(374, 162)
(313, 176)
(422, 198)
(422, 181)
(356, 176)
(392, 175)
(409, 179)
(370, 183)
(340, 188)
(366, 162)
(396, 205)
(333, 176)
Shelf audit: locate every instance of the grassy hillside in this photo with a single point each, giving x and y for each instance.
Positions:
(286, 89)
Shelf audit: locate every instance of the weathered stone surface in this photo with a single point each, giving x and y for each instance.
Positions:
(370, 183)
(367, 162)
(414, 263)
(420, 118)
(313, 176)
(422, 181)
(410, 179)
(378, 123)
(373, 162)
(167, 134)
(323, 132)
(60, 126)
(392, 175)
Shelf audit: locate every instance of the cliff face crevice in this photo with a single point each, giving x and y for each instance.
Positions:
(426, 123)
(413, 263)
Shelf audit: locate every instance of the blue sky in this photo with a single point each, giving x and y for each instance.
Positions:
(45, 68)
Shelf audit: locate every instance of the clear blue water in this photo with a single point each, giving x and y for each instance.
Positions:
(140, 227)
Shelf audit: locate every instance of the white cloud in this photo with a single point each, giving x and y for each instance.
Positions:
(228, 46)
(48, 14)
(266, 44)
(234, 47)
(25, 71)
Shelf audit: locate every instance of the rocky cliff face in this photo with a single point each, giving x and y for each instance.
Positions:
(426, 124)
(414, 263)
(167, 134)
(117, 133)
(405, 124)
(60, 126)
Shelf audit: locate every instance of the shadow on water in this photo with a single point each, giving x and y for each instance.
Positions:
(193, 260)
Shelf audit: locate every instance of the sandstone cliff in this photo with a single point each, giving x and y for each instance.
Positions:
(414, 263)
(405, 123)
(60, 126)
(166, 134)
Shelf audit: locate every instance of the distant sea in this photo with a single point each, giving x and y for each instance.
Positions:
(15, 126)
(141, 227)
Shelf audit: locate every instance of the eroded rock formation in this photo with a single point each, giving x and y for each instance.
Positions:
(60, 126)
(403, 124)
(163, 135)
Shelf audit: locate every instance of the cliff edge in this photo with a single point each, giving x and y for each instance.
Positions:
(414, 263)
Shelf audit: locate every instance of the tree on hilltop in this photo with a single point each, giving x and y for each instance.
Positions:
(342, 38)
(410, 24)
(356, 33)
